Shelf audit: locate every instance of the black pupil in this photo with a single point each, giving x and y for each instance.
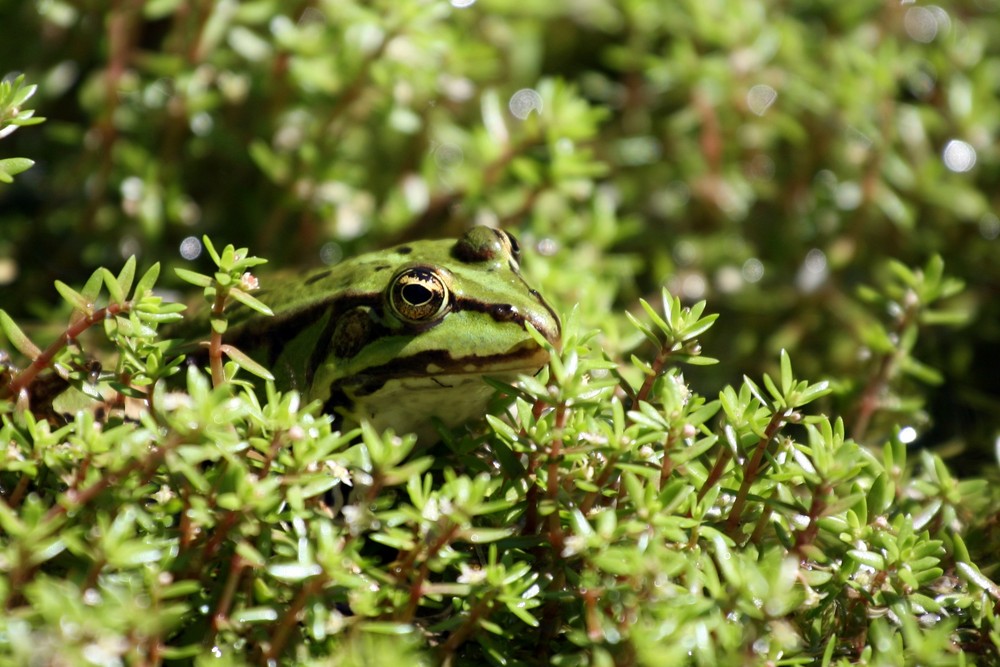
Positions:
(515, 248)
(416, 295)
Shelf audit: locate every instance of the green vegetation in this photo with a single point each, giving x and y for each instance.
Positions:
(802, 191)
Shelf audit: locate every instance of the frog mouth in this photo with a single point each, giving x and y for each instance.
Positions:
(437, 365)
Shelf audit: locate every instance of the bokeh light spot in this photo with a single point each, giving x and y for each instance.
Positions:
(760, 98)
(753, 270)
(959, 156)
(524, 101)
(190, 247)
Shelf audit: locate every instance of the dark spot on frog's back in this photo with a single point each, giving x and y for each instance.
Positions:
(404, 250)
(354, 330)
(316, 277)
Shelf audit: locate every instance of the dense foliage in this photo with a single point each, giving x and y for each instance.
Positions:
(759, 183)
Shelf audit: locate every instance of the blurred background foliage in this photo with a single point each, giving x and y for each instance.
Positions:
(766, 156)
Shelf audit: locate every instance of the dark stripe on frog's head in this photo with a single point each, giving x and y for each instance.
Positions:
(331, 313)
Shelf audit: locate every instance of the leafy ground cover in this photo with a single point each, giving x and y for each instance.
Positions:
(802, 192)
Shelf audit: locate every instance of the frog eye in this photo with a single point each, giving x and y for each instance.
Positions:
(484, 244)
(515, 247)
(419, 294)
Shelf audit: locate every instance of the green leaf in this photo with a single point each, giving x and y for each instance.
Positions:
(787, 379)
(12, 166)
(250, 302)
(23, 94)
(197, 279)
(211, 250)
(247, 363)
(148, 281)
(869, 558)
(75, 299)
(660, 323)
(114, 288)
(127, 275)
(485, 535)
(699, 327)
(772, 389)
(294, 571)
(17, 338)
(915, 368)
(812, 392)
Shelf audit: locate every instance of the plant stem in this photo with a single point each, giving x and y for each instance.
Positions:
(753, 467)
(73, 331)
(291, 619)
(816, 508)
(658, 364)
(236, 565)
(215, 342)
(716, 472)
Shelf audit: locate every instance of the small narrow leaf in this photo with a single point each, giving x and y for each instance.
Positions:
(13, 166)
(211, 250)
(197, 279)
(699, 327)
(869, 558)
(114, 288)
(147, 281)
(250, 302)
(787, 379)
(75, 299)
(773, 389)
(660, 323)
(127, 275)
(812, 392)
(92, 288)
(246, 362)
(17, 338)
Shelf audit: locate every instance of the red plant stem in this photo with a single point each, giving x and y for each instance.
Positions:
(816, 508)
(291, 619)
(186, 527)
(72, 332)
(753, 467)
(417, 585)
(667, 464)
(592, 615)
(716, 472)
(552, 482)
(73, 498)
(531, 474)
(758, 531)
(218, 535)
(869, 403)
(236, 566)
(17, 495)
(531, 497)
(658, 363)
(215, 342)
(463, 632)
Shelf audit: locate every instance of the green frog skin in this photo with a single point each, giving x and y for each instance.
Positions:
(403, 337)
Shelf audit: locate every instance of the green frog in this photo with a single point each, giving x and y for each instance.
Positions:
(403, 337)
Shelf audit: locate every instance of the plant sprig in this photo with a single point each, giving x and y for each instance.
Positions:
(13, 115)
(129, 322)
(233, 280)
